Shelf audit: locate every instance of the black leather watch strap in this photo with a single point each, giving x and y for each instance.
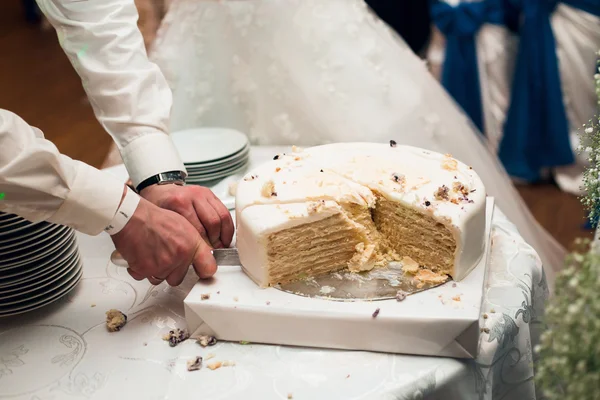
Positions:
(175, 177)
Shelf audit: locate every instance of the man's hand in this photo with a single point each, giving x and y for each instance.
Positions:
(199, 206)
(160, 245)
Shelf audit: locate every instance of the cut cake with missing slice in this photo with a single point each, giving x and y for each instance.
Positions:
(358, 206)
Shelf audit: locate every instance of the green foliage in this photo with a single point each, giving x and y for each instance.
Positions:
(590, 139)
(569, 350)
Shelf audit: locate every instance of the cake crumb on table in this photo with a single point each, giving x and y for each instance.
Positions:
(205, 296)
(93, 305)
(210, 356)
(290, 396)
(456, 298)
(115, 320)
(235, 298)
(194, 364)
(218, 364)
(176, 336)
(206, 340)
(485, 316)
(493, 311)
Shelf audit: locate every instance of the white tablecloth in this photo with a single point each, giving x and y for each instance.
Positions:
(64, 351)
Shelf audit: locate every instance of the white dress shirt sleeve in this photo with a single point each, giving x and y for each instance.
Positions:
(38, 183)
(128, 93)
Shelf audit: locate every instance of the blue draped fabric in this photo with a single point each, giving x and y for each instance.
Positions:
(536, 131)
(589, 6)
(460, 74)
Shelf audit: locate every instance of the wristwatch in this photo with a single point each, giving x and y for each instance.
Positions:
(174, 177)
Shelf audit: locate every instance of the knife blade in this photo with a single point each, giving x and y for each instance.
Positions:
(224, 257)
(378, 284)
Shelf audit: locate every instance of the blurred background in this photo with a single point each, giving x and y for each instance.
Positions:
(38, 83)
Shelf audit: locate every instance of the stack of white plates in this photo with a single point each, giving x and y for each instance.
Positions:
(39, 263)
(212, 154)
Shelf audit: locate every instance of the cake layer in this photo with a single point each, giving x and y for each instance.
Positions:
(423, 205)
(416, 235)
(311, 249)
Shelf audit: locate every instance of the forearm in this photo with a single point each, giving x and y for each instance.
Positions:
(40, 184)
(128, 93)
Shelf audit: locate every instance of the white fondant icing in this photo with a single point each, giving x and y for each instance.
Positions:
(276, 195)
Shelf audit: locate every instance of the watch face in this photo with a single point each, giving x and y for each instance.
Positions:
(171, 177)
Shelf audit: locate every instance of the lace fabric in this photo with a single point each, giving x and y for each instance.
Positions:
(307, 72)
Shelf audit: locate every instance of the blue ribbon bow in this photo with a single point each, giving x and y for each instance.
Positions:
(460, 74)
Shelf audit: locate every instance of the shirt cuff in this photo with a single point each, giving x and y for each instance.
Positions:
(92, 201)
(150, 155)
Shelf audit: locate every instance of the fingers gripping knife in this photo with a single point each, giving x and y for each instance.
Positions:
(379, 284)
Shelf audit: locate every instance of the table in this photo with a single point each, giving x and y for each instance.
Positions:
(64, 351)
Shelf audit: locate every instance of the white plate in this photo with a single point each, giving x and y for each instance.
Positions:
(37, 277)
(58, 293)
(38, 253)
(208, 144)
(218, 176)
(26, 236)
(242, 154)
(20, 228)
(22, 232)
(42, 292)
(39, 282)
(219, 170)
(15, 258)
(37, 238)
(19, 275)
(6, 218)
(13, 226)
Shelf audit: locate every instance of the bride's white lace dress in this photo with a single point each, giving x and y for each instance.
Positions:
(309, 72)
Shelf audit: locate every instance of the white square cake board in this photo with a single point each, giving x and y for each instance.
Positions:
(443, 321)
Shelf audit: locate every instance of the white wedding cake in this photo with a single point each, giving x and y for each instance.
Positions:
(358, 206)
